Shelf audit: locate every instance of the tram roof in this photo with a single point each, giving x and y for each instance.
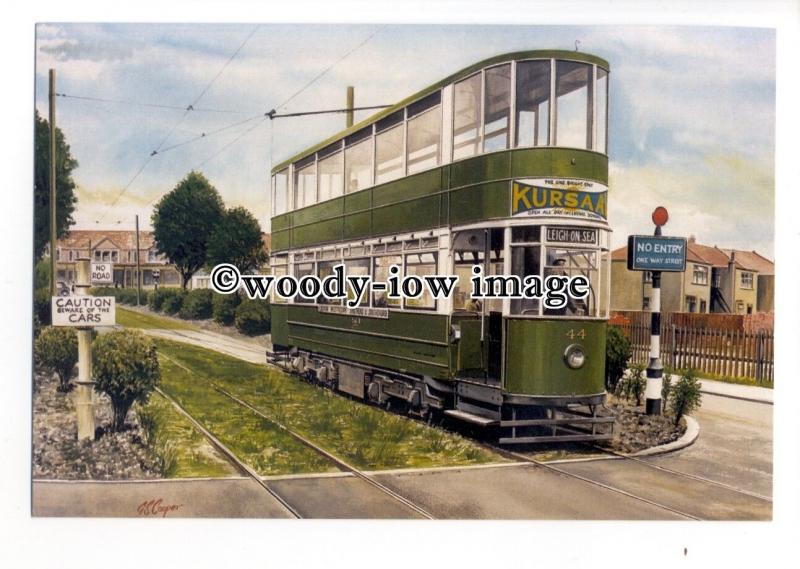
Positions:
(502, 58)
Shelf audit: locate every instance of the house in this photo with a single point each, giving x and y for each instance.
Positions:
(715, 280)
(117, 247)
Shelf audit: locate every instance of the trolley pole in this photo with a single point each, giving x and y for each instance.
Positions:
(83, 393)
(350, 103)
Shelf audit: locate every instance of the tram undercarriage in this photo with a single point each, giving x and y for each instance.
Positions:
(514, 419)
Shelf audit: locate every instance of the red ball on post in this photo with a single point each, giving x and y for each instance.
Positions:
(660, 216)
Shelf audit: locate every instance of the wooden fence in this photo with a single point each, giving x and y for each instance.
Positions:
(731, 350)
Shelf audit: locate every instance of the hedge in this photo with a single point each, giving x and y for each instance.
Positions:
(253, 317)
(197, 305)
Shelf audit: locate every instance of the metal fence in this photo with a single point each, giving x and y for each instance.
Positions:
(731, 348)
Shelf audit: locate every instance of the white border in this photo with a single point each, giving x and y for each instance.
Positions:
(222, 543)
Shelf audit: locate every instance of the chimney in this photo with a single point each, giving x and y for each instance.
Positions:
(692, 239)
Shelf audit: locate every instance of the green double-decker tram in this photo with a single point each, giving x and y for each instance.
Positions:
(503, 164)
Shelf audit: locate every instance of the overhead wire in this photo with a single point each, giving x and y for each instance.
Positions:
(131, 103)
(183, 117)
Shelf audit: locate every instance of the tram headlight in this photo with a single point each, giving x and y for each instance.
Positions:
(574, 356)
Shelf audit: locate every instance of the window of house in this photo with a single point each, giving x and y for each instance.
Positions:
(573, 104)
(647, 276)
(423, 149)
(97, 255)
(700, 275)
(358, 160)
(645, 303)
(305, 183)
(281, 191)
(703, 307)
(497, 108)
(115, 256)
(716, 278)
(533, 103)
(691, 304)
(749, 308)
(389, 148)
(746, 280)
(467, 117)
(739, 307)
(330, 172)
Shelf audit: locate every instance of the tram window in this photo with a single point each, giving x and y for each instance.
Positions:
(467, 117)
(278, 272)
(421, 265)
(305, 186)
(325, 269)
(573, 104)
(330, 176)
(529, 234)
(357, 267)
(424, 140)
(602, 110)
(301, 270)
(533, 103)
(571, 263)
(525, 261)
(497, 108)
(358, 166)
(389, 155)
(381, 274)
(281, 181)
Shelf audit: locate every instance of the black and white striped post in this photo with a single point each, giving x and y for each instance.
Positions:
(655, 370)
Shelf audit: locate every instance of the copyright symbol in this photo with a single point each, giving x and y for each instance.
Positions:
(225, 278)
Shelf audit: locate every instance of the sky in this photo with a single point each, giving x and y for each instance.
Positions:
(691, 127)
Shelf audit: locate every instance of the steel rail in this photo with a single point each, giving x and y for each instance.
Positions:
(331, 457)
(232, 458)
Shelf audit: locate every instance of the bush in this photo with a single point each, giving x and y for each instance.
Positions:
(666, 386)
(224, 308)
(618, 352)
(41, 305)
(197, 305)
(253, 317)
(56, 350)
(126, 369)
(173, 302)
(633, 385)
(686, 396)
(157, 298)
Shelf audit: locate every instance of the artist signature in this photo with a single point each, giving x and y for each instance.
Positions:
(157, 508)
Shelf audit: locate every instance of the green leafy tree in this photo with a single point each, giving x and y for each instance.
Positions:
(126, 369)
(686, 396)
(65, 186)
(618, 352)
(56, 350)
(183, 221)
(237, 240)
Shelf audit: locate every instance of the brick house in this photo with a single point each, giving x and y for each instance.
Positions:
(117, 247)
(715, 280)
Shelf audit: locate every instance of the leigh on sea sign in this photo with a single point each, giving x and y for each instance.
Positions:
(83, 311)
(102, 273)
(656, 253)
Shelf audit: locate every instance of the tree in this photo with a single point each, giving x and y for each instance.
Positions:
(126, 369)
(237, 240)
(618, 352)
(56, 350)
(65, 186)
(686, 396)
(183, 221)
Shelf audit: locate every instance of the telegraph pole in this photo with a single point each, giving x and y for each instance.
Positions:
(349, 104)
(52, 100)
(138, 270)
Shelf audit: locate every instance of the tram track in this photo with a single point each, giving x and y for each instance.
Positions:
(240, 465)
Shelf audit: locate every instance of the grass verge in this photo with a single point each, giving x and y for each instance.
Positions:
(135, 319)
(367, 437)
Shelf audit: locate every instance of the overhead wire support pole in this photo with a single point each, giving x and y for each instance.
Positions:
(53, 233)
(138, 267)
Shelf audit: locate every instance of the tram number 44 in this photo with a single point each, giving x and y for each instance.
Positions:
(572, 334)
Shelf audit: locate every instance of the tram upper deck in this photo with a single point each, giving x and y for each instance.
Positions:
(508, 138)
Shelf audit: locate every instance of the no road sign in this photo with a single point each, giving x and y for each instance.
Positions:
(102, 273)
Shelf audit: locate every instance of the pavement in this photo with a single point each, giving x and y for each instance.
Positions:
(736, 391)
(725, 475)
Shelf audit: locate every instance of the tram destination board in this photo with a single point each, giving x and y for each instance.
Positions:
(656, 253)
(581, 235)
